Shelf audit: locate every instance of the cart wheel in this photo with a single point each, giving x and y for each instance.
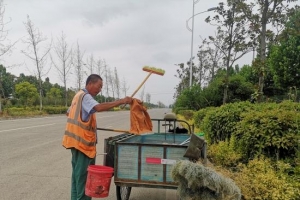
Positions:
(123, 192)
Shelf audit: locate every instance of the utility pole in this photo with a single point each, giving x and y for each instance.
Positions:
(192, 41)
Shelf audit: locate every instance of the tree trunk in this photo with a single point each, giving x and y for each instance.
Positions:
(41, 95)
(1, 95)
(262, 52)
(0, 105)
(225, 95)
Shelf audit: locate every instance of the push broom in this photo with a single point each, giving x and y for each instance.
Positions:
(151, 70)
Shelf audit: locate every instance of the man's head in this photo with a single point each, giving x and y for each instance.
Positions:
(94, 84)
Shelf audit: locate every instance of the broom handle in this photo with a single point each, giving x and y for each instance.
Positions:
(115, 130)
(138, 87)
(141, 84)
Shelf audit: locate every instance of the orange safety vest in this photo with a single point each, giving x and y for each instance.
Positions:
(79, 134)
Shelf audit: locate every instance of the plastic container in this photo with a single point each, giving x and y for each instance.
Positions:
(200, 134)
(98, 181)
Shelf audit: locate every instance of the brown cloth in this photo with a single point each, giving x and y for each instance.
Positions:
(140, 121)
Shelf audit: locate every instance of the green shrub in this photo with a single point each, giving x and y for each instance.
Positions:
(200, 114)
(55, 109)
(267, 128)
(176, 110)
(187, 114)
(220, 123)
(271, 133)
(16, 112)
(116, 109)
(289, 105)
(259, 179)
(225, 153)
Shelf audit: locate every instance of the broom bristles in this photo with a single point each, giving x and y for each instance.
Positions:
(154, 70)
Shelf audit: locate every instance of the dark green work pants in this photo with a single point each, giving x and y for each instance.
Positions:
(80, 163)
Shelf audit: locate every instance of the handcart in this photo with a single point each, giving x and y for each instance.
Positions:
(146, 160)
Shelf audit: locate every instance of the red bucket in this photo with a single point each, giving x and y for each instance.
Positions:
(98, 181)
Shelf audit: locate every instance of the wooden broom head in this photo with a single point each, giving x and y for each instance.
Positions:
(154, 70)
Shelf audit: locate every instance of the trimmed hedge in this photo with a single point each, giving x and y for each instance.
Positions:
(55, 109)
(21, 112)
(271, 133)
(199, 115)
(259, 144)
(34, 110)
(221, 122)
(264, 180)
(261, 129)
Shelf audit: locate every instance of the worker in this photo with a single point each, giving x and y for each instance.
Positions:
(81, 132)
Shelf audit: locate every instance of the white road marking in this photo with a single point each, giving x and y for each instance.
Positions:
(61, 116)
(35, 118)
(25, 127)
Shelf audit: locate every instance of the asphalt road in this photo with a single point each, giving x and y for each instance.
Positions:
(35, 166)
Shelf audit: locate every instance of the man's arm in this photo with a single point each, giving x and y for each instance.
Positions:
(108, 105)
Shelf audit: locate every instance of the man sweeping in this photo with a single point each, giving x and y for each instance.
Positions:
(80, 134)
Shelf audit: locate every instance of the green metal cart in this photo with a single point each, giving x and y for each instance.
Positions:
(146, 160)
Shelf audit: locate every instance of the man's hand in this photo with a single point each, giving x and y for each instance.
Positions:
(127, 100)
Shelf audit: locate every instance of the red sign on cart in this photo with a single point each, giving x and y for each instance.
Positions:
(160, 161)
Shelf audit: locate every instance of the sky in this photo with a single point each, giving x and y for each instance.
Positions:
(127, 34)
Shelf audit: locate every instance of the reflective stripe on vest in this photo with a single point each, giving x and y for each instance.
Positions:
(79, 134)
(76, 137)
(75, 122)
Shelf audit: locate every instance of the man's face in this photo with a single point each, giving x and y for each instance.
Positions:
(95, 88)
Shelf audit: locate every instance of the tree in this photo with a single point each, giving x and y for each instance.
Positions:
(239, 89)
(99, 67)
(47, 86)
(214, 56)
(261, 13)
(55, 94)
(117, 83)
(183, 75)
(189, 98)
(161, 104)
(111, 82)
(71, 93)
(26, 93)
(106, 78)
(91, 65)
(125, 88)
(4, 48)
(284, 58)
(77, 62)
(196, 98)
(235, 41)
(2, 69)
(203, 66)
(31, 79)
(148, 98)
(33, 52)
(249, 74)
(142, 94)
(64, 55)
(6, 82)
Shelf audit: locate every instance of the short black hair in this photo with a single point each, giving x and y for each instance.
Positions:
(93, 78)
